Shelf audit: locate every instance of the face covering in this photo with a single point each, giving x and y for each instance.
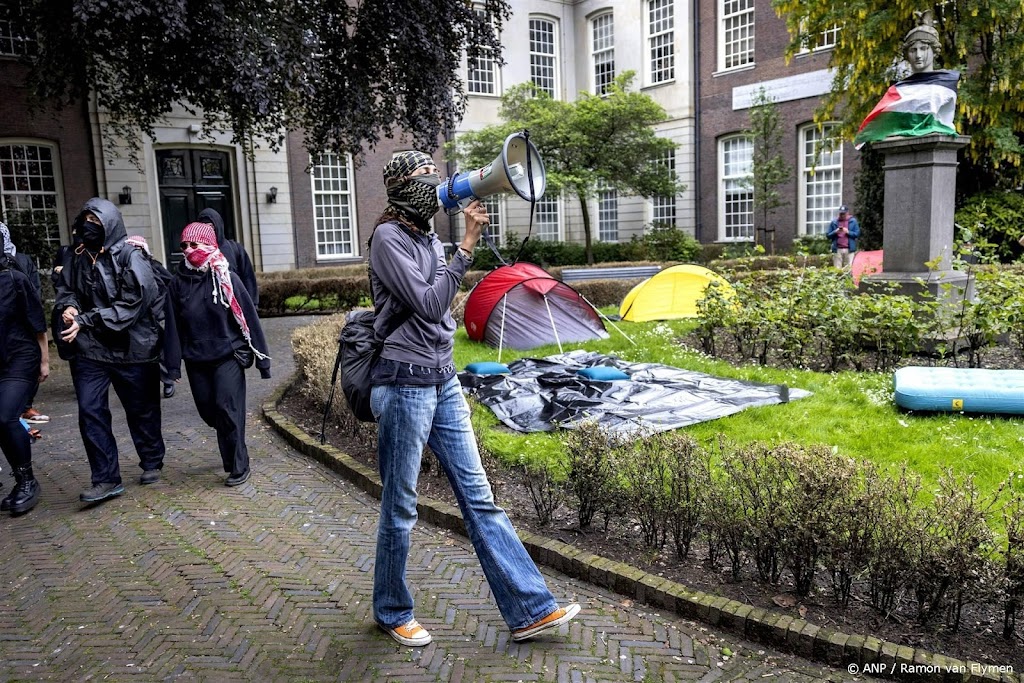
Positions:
(198, 258)
(90, 233)
(417, 196)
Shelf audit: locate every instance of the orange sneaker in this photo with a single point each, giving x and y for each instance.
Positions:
(556, 618)
(411, 634)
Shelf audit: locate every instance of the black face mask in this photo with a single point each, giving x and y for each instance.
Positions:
(90, 233)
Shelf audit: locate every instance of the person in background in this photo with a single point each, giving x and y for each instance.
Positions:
(169, 372)
(26, 265)
(108, 297)
(24, 363)
(843, 231)
(417, 400)
(234, 253)
(220, 336)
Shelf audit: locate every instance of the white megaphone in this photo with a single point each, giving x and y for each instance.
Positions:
(517, 169)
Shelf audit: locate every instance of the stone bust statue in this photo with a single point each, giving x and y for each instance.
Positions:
(921, 45)
(924, 103)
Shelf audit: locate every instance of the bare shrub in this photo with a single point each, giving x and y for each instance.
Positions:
(1013, 560)
(546, 484)
(643, 464)
(893, 549)
(854, 530)
(762, 481)
(689, 479)
(953, 550)
(588, 449)
(821, 491)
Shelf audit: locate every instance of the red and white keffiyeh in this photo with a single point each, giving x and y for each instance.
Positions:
(206, 256)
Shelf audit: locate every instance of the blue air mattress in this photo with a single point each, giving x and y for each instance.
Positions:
(969, 390)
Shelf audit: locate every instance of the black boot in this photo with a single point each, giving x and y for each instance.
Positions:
(26, 492)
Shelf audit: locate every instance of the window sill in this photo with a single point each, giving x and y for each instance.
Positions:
(659, 84)
(734, 70)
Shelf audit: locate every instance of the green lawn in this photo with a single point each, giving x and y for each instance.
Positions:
(852, 412)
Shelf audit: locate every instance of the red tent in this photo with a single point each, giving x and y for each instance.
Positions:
(866, 263)
(521, 306)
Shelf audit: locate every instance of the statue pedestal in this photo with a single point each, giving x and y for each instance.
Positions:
(920, 187)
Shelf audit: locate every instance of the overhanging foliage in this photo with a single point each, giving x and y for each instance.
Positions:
(345, 73)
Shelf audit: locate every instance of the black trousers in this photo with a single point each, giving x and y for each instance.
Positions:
(138, 387)
(14, 440)
(219, 392)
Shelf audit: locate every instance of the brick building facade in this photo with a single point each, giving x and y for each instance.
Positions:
(742, 45)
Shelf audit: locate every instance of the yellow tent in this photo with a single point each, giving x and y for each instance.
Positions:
(672, 293)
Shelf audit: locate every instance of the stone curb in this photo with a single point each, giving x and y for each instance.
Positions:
(859, 653)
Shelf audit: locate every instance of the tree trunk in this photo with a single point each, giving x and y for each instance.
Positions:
(586, 227)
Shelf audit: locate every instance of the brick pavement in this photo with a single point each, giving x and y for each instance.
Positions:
(187, 580)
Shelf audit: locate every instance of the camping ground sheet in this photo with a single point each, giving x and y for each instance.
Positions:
(542, 394)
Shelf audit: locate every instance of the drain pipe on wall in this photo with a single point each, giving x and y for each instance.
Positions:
(698, 218)
(257, 229)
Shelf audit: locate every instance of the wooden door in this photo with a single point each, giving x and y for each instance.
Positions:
(191, 180)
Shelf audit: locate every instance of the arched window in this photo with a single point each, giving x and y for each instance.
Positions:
(30, 186)
(735, 193)
(661, 39)
(602, 52)
(821, 177)
(544, 55)
(334, 209)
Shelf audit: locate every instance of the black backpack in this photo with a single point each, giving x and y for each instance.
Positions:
(358, 351)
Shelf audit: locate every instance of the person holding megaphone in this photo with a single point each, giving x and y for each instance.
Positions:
(417, 401)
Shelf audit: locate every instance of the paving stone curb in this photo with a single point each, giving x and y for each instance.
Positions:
(859, 653)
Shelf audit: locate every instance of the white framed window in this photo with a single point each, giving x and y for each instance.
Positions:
(13, 42)
(663, 208)
(602, 52)
(823, 41)
(547, 219)
(821, 177)
(607, 214)
(544, 55)
(482, 79)
(495, 208)
(735, 193)
(334, 209)
(29, 186)
(661, 39)
(735, 33)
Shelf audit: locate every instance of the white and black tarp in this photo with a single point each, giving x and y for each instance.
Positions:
(542, 394)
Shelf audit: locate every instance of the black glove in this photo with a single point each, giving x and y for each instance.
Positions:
(265, 373)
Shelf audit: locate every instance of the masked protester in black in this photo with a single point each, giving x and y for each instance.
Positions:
(235, 254)
(24, 362)
(113, 318)
(25, 263)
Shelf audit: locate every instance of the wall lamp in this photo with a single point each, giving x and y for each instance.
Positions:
(272, 195)
(126, 195)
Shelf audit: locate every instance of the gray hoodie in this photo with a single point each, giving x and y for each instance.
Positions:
(408, 272)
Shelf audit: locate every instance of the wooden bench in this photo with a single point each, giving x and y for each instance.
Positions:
(610, 273)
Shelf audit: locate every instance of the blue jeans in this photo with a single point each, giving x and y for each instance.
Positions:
(409, 417)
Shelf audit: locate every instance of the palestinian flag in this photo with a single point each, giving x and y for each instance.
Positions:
(922, 104)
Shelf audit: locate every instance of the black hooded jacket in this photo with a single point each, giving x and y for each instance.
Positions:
(236, 255)
(118, 311)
